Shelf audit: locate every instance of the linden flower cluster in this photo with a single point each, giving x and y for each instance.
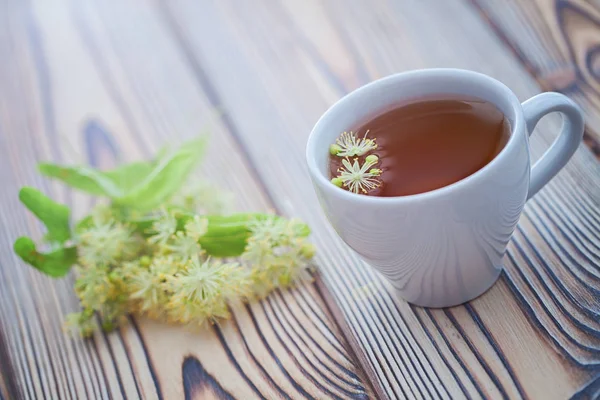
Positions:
(165, 274)
(161, 248)
(353, 176)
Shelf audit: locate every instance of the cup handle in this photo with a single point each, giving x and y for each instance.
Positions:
(563, 146)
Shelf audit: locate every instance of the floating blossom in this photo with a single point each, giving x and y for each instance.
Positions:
(359, 178)
(163, 228)
(348, 145)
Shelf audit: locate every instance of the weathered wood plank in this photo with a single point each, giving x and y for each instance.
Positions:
(558, 42)
(534, 334)
(291, 61)
(92, 83)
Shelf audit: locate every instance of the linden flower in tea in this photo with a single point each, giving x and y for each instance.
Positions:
(348, 145)
(357, 178)
(422, 145)
(352, 175)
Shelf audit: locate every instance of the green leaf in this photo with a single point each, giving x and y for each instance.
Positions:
(227, 236)
(140, 185)
(113, 183)
(87, 179)
(56, 263)
(166, 178)
(128, 176)
(54, 216)
(231, 245)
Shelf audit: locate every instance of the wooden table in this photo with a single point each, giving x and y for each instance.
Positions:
(98, 82)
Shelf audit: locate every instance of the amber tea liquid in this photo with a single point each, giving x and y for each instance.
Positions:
(428, 144)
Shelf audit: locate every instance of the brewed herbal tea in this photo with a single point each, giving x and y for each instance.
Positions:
(418, 147)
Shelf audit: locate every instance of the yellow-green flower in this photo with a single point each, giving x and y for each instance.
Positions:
(184, 246)
(196, 227)
(163, 228)
(203, 281)
(93, 285)
(278, 254)
(106, 242)
(150, 286)
(204, 290)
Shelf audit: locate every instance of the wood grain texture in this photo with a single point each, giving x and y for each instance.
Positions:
(558, 42)
(90, 84)
(98, 82)
(534, 334)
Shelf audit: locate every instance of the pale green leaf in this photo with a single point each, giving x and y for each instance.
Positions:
(87, 179)
(128, 176)
(166, 178)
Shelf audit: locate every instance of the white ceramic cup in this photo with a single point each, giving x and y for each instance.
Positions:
(443, 247)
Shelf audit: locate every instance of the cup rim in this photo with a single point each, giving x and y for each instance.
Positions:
(477, 79)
